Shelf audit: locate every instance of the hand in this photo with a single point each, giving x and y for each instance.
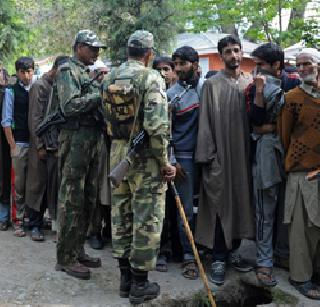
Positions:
(168, 172)
(181, 174)
(42, 154)
(12, 149)
(259, 82)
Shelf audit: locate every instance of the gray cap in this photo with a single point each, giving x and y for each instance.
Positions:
(141, 39)
(88, 37)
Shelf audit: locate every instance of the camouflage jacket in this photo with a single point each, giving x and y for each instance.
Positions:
(78, 96)
(154, 119)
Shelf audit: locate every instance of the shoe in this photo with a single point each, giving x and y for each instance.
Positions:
(4, 226)
(316, 278)
(238, 263)
(162, 264)
(141, 289)
(90, 262)
(308, 289)
(265, 277)
(125, 277)
(37, 235)
(18, 230)
(77, 270)
(95, 242)
(218, 271)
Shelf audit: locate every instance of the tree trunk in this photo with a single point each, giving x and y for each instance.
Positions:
(297, 13)
(230, 29)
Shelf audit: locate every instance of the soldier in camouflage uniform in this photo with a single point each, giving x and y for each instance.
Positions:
(138, 203)
(79, 140)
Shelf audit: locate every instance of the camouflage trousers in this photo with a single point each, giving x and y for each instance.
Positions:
(137, 211)
(78, 164)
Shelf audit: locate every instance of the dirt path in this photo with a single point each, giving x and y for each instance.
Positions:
(28, 278)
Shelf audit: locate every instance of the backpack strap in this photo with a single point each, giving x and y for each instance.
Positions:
(141, 98)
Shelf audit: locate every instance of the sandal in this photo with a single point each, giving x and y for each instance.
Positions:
(37, 235)
(264, 276)
(190, 270)
(18, 231)
(308, 289)
(162, 265)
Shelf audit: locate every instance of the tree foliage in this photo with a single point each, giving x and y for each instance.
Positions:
(119, 18)
(12, 30)
(252, 18)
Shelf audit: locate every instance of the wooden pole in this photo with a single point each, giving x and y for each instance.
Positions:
(191, 240)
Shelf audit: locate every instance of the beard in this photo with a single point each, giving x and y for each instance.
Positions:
(232, 64)
(185, 76)
(310, 78)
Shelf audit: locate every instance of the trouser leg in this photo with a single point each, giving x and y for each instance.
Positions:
(90, 197)
(165, 233)
(303, 241)
(185, 189)
(36, 217)
(281, 236)
(220, 251)
(20, 163)
(266, 202)
(52, 184)
(77, 152)
(121, 221)
(148, 212)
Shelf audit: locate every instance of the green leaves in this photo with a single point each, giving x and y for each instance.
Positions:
(254, 19)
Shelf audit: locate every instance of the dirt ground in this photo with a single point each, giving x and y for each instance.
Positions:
(28, 278)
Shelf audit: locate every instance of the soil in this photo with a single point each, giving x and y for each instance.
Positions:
(28, 278)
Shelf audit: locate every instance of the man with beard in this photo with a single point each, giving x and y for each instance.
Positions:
(185, 113)
(300, 133)
(225, 213)
(79, 148)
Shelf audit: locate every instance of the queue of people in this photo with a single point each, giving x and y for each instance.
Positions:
(244, 142)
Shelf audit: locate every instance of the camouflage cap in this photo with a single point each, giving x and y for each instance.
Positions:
(90, 38)
(141, 39)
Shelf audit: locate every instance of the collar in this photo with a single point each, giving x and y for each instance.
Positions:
(79, 63)
(193, 82)
(26, 87)
(310, 90)
(136, 62)
(47, 78)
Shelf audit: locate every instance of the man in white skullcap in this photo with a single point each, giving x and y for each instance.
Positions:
(300, 133)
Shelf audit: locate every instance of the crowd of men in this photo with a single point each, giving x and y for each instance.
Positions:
(249, 144)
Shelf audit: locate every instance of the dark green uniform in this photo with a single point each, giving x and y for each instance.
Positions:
(79, 147)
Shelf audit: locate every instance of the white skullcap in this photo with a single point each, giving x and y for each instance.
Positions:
(100, 64)
(97, 65)
(313, 52)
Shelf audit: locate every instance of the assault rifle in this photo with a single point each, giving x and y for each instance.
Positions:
(48, 128)
(120, 171)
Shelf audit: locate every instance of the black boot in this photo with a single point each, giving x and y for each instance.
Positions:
(125, 278)
(141, 289)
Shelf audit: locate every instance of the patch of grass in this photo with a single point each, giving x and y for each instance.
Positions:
(281, 297)
(200, 299)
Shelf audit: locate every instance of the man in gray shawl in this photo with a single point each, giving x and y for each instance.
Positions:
(225, 213)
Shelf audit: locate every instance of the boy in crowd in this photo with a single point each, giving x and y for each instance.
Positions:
(15, 124)
(266, 99)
